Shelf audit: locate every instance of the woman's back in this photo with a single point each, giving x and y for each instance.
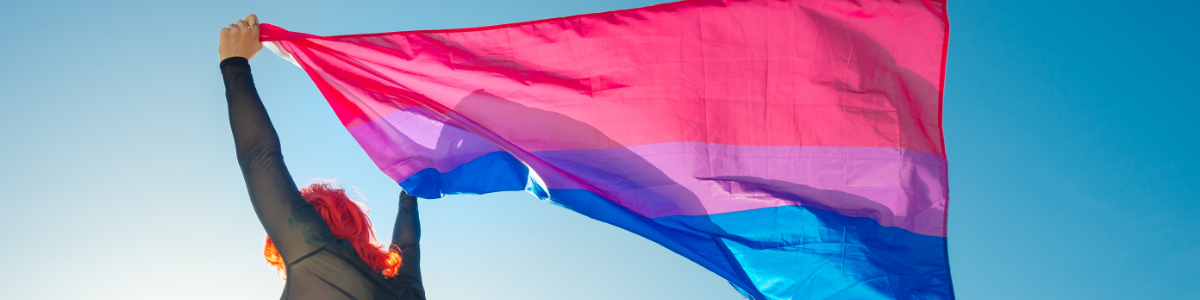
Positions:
(335, 272)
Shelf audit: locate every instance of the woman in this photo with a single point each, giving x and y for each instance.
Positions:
(319, 257)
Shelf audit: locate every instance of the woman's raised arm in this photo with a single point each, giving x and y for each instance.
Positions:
(293, 225)
(406, 235)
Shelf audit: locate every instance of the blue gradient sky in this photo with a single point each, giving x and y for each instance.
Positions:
(1070, 128)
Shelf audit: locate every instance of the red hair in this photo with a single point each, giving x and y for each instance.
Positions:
(347, 220)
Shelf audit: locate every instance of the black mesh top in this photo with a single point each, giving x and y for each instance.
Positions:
(319, 266)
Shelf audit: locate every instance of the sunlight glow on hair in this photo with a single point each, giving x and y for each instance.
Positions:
(347, 220)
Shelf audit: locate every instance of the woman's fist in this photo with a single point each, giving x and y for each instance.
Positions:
(240, 39)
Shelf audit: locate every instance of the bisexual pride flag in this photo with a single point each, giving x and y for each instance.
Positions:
(792, 147)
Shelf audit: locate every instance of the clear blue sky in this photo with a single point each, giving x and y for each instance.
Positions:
(1070, 128)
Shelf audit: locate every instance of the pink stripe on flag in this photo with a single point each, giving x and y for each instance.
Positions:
(790, 73)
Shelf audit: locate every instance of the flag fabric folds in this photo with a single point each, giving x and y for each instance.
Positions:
(792, 147)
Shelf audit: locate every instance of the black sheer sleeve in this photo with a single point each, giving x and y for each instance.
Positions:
(406, 235)
(293, 225)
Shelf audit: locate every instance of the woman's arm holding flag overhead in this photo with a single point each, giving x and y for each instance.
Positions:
(406, 235)
(291, 223)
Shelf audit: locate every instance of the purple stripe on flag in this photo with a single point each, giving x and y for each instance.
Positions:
(896, 187)
(410, 140)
